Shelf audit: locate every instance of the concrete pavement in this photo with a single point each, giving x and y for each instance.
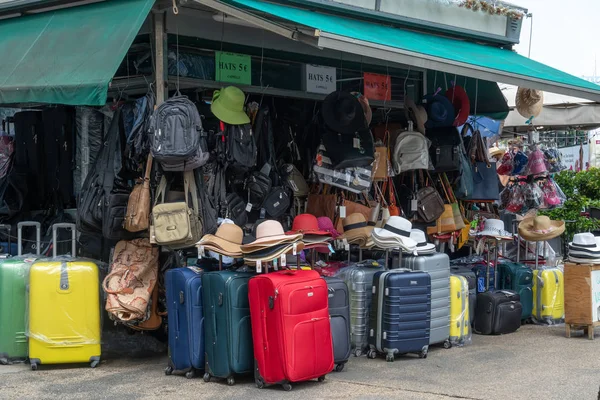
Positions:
(537, 362)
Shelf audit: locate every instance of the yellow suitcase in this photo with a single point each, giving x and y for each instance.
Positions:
(64, 310)
(549, 302)
(460, 326)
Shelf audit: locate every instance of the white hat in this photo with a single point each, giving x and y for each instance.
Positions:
(423, 248)
(495, 228)
(584, 245)
(529, 102)
(395, 233)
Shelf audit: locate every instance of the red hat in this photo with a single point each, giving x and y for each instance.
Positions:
(462, 106)
(307, 224)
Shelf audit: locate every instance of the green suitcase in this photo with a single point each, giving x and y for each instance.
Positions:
(13, 304)
(227, 331)
(518, 278)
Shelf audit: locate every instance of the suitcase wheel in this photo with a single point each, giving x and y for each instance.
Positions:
(34, 367)
(372, 354)
(322, 378)
(357, 353)
(95, 363)
(447, 344)
(168, 370)
(231, 381)
(389, 357)
(190, 374)
(339, 367)
(206, 377)
(423, 354)
(287, 386)
(260, 383)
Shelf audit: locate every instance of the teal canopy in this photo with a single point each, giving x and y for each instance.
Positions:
(67, 56)
(423, 50)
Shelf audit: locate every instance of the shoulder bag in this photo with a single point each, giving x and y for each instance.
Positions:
(429, 203)
(138, 208)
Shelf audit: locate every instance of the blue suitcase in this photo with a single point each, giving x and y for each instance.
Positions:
(400, 313)
(186, 320)
(480, 271)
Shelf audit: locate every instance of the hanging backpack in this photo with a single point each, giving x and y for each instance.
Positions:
(241, 146)
(445, 149)
(179, 142)
(258, 185)
(236, 209)
(411, 152)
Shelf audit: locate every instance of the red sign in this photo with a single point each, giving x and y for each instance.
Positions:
(377, 87)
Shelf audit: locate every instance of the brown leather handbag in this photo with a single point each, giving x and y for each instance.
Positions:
(137, 218)
(321, 205)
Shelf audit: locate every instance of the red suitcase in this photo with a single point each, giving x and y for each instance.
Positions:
(290, 327)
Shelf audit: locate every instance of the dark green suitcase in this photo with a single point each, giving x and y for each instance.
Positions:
(227, 330)
(518, 278)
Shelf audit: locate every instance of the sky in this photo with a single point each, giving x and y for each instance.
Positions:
(564, 34)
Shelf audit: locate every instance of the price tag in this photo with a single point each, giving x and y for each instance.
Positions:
(414, 205)
(283, 260)
(259, 266)
(356, 143)
(248, 207)
(275, 265)
(295, 249)
(263, 212)
(346, 245)
(342, 211)
(331, 250)
(200, 251)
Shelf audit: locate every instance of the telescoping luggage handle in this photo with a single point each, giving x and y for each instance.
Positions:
(64, 225)
(38, 236)
(7, 228)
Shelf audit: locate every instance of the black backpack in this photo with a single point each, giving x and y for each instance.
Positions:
(241, 146)
(236, 209)
(258, 185)
(445, 149)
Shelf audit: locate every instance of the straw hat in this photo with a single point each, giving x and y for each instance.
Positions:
(356, 229)
(268, 234)
(226, 241)
(395, 233)
(416, 114)
(228, 105)
(273, 252)
(529, 102)
(540, 229)
(496, 152)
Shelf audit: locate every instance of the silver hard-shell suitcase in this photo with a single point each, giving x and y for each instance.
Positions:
(438, 267)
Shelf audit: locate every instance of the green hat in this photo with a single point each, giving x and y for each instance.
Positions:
(228, 106)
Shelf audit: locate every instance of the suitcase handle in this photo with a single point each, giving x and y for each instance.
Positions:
(38, 234)
(64, 225)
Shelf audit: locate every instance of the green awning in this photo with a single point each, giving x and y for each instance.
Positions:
(418, 49)
(68, 56)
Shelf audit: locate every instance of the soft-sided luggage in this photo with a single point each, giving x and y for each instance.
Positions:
(460, 323)
(472, 281)
(59, 134)
(359, 279)
(518, 278)
(290, 327)
(438, 268)
(400, 313)
(339, 314)
(227, 330)
(481, 271)
(90, 128)
(29, 155)
(186, 320)
(13, 313)
(549, 302)
(497, 312)
(64, 309)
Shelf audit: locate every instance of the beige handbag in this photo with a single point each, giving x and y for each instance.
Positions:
(176, 225)
(137, 218)
(131, 281)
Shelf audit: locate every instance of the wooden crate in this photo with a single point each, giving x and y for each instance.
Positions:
(582, 298)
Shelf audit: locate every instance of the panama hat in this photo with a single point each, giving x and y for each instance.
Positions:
(395, 233)
(529, 102)
(269, 233)
(343, 113)
(226, 240)
(440, 112)
(461, 103)
(228, 105)
(416, 114)
(307, 224)
(356, 229)
(541, 228)
(423, 248)
(585, 244)
(495, 228)
(496, 152)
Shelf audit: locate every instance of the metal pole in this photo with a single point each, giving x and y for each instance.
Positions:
(496, 264)
(487, 273)
(537, 252)
(360, 254)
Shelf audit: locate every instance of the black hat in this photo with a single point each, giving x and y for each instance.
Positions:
(343, 113)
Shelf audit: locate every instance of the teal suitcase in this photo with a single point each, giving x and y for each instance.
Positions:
(227, 331)
(518, 278)
(14, 274)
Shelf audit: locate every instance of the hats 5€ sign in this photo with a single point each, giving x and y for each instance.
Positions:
(377, 87)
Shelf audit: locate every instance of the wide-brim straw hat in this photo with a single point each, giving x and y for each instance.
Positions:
(269, 233)
(416, 114)
(540, 229)
(227, 240)
(271, 254)
(356, 229)
(529, 102)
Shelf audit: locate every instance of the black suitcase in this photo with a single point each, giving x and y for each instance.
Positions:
(30, 157)
(472, 280)
(339, 314)
(497, 312)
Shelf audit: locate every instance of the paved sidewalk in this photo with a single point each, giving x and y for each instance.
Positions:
(535, 363)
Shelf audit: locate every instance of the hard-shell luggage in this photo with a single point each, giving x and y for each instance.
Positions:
(359, 279)
(400, 313)
(472, 281)
(518, 278)
(438, 268)
(186, 320)
(227, 330)
(339, 314)
(64, 309)
(549, 302)
(481, 272)
(497, 312)
(14, 273)
(460, 323)
(291, 333)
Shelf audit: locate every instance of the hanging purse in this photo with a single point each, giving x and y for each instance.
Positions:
(393, 209)
(485, 177)
(464, 183)
(429, 203)
(138, 208)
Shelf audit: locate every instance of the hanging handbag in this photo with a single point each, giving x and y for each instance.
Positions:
(138, 207)
(380, 173)
(176, 225)
(429, 203)
(352, 207)
(459, 219)
(322, 205)
(464, 183)
(486, 184)
(348, 151)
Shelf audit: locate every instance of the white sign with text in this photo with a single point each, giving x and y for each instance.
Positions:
(319, 79)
